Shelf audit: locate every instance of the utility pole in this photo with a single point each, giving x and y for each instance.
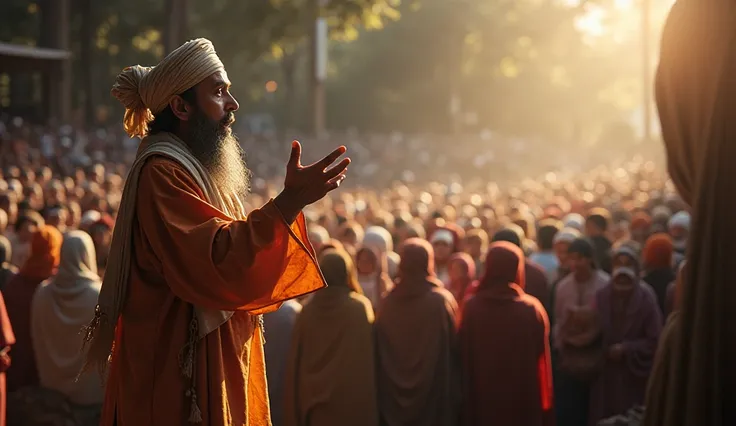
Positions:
(646, 68)
(318, 64)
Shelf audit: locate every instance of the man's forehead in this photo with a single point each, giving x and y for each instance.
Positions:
(218, 78)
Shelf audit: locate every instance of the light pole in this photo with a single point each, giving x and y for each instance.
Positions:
(318, 62)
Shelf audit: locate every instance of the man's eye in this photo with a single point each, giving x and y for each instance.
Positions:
(219, 92)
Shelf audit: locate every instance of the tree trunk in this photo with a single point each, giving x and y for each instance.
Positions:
(288, 68)
(177, 23)
(86, 59)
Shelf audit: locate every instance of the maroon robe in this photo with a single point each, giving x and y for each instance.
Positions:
(504, 344)
(622, 385)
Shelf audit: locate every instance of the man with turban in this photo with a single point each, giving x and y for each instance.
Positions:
(178, 326)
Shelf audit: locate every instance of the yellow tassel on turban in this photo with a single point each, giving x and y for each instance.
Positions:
(145, 91)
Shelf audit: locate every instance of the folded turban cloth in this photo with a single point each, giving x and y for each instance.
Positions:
(145, 91)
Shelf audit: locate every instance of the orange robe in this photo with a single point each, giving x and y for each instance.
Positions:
(185, 253)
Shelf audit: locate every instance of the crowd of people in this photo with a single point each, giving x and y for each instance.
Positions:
(451, 300)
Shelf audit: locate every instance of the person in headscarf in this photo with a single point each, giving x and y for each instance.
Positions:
(18, 293)
(60, 309)
(417, 366)
(379, 240)
(503, 327)
(7, 270)
(7, 341)
(631, 322)
(462, 275)
(278, 328)
(576, 334)
(330, 376)
(536, 283)
(373, 277)
(190, 273)
(658, 266)
(641, 227)
(679, 229)
(596, 227)
(546, 257)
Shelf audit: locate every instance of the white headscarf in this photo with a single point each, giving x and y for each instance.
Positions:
(59, 310)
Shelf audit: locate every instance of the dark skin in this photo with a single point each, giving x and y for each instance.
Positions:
(303, 185)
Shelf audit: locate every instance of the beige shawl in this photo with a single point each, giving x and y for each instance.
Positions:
(101, 331)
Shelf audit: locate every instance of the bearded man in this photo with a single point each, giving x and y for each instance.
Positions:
(189, 274)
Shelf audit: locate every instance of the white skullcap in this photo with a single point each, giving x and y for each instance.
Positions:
(575, 221)
(318, 234)
(145, 91)
(89, 218)
(567, 235)
(680, 220)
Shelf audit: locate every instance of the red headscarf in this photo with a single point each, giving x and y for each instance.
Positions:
(45, 253)
(658, 252)
(641, 220)
(504, 266)
(459, 286)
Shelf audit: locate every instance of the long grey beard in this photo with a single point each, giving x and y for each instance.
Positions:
(228, 169)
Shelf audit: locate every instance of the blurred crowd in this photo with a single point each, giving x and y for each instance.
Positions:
(441, 210)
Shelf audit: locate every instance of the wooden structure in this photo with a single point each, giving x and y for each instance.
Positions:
(48, 67)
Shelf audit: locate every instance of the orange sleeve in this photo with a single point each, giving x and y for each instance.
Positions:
(213, 261)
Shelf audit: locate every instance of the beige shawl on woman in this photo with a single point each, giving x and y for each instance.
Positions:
(101, 331)
(694, 379)
(58, 311)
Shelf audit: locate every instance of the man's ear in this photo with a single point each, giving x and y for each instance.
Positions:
(181, 108)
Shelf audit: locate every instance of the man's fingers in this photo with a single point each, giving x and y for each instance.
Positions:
(339, 168)
(335, 182)
(296, 154)
(334, 155)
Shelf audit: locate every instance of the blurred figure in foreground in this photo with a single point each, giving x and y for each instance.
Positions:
(330, 377)
(417, 364)
(495, 393)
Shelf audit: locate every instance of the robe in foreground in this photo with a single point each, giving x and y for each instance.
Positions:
(417, 348)
(622, 385)
(185, 253)
(504, 346)
(330, 378)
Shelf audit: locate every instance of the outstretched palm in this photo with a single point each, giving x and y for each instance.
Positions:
(308, 184)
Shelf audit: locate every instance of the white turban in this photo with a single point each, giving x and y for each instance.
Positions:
(145, 91)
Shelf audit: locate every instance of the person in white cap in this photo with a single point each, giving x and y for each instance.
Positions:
(189, 275)
(631, 322)
(679, 229)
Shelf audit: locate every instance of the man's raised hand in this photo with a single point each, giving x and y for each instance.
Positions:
(305, 185)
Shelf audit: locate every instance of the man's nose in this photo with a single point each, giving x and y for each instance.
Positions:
(232, 104)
